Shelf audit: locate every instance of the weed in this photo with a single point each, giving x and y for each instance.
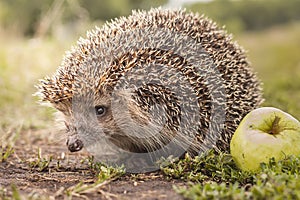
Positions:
(41, 163)
(5, 152)
(278, 180)
(209, 166)
(15, 193)
(212, 190)
(3, 193)
(7, 142)
(105, 175)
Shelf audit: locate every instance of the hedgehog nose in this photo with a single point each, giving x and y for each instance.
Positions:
(74, 144)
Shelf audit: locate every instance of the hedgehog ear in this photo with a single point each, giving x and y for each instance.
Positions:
(105, 90)
(109, 89)
(124, 95)
(63, 106)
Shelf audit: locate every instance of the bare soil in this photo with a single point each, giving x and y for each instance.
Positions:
(67, 170)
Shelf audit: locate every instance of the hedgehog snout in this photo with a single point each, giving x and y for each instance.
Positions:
(74, 143)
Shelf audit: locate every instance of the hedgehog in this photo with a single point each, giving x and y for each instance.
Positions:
(162, 80)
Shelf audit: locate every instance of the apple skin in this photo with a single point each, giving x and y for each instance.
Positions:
(264, 133)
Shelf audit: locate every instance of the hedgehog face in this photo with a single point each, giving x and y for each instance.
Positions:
(126, 119)
(85, 118)
(116, 118)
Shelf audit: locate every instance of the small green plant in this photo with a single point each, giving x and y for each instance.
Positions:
(15, 193)
(40, 163)
(5, 152)
(7, 141)
(104, 175)
(3, 193)
(210, 166)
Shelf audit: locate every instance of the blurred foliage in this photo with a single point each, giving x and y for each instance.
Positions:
(274, 54)
(109, 9)
(35, 16)
(30, 17)
(249, 14)
(21, 14)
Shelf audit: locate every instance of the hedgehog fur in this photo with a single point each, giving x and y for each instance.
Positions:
(153, 78)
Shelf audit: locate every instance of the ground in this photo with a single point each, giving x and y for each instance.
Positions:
(54, 180)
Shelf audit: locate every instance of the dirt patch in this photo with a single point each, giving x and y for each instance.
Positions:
(69, 169)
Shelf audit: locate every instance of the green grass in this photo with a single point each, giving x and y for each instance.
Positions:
(214, 177)
(209, 167)
(7, 141)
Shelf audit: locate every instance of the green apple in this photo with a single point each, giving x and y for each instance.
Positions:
(264, 133)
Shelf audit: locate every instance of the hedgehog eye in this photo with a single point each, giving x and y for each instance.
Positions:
(100, 110)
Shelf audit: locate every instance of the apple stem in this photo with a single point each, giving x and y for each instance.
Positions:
(275, 126)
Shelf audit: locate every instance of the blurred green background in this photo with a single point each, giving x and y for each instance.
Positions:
(35, 34)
